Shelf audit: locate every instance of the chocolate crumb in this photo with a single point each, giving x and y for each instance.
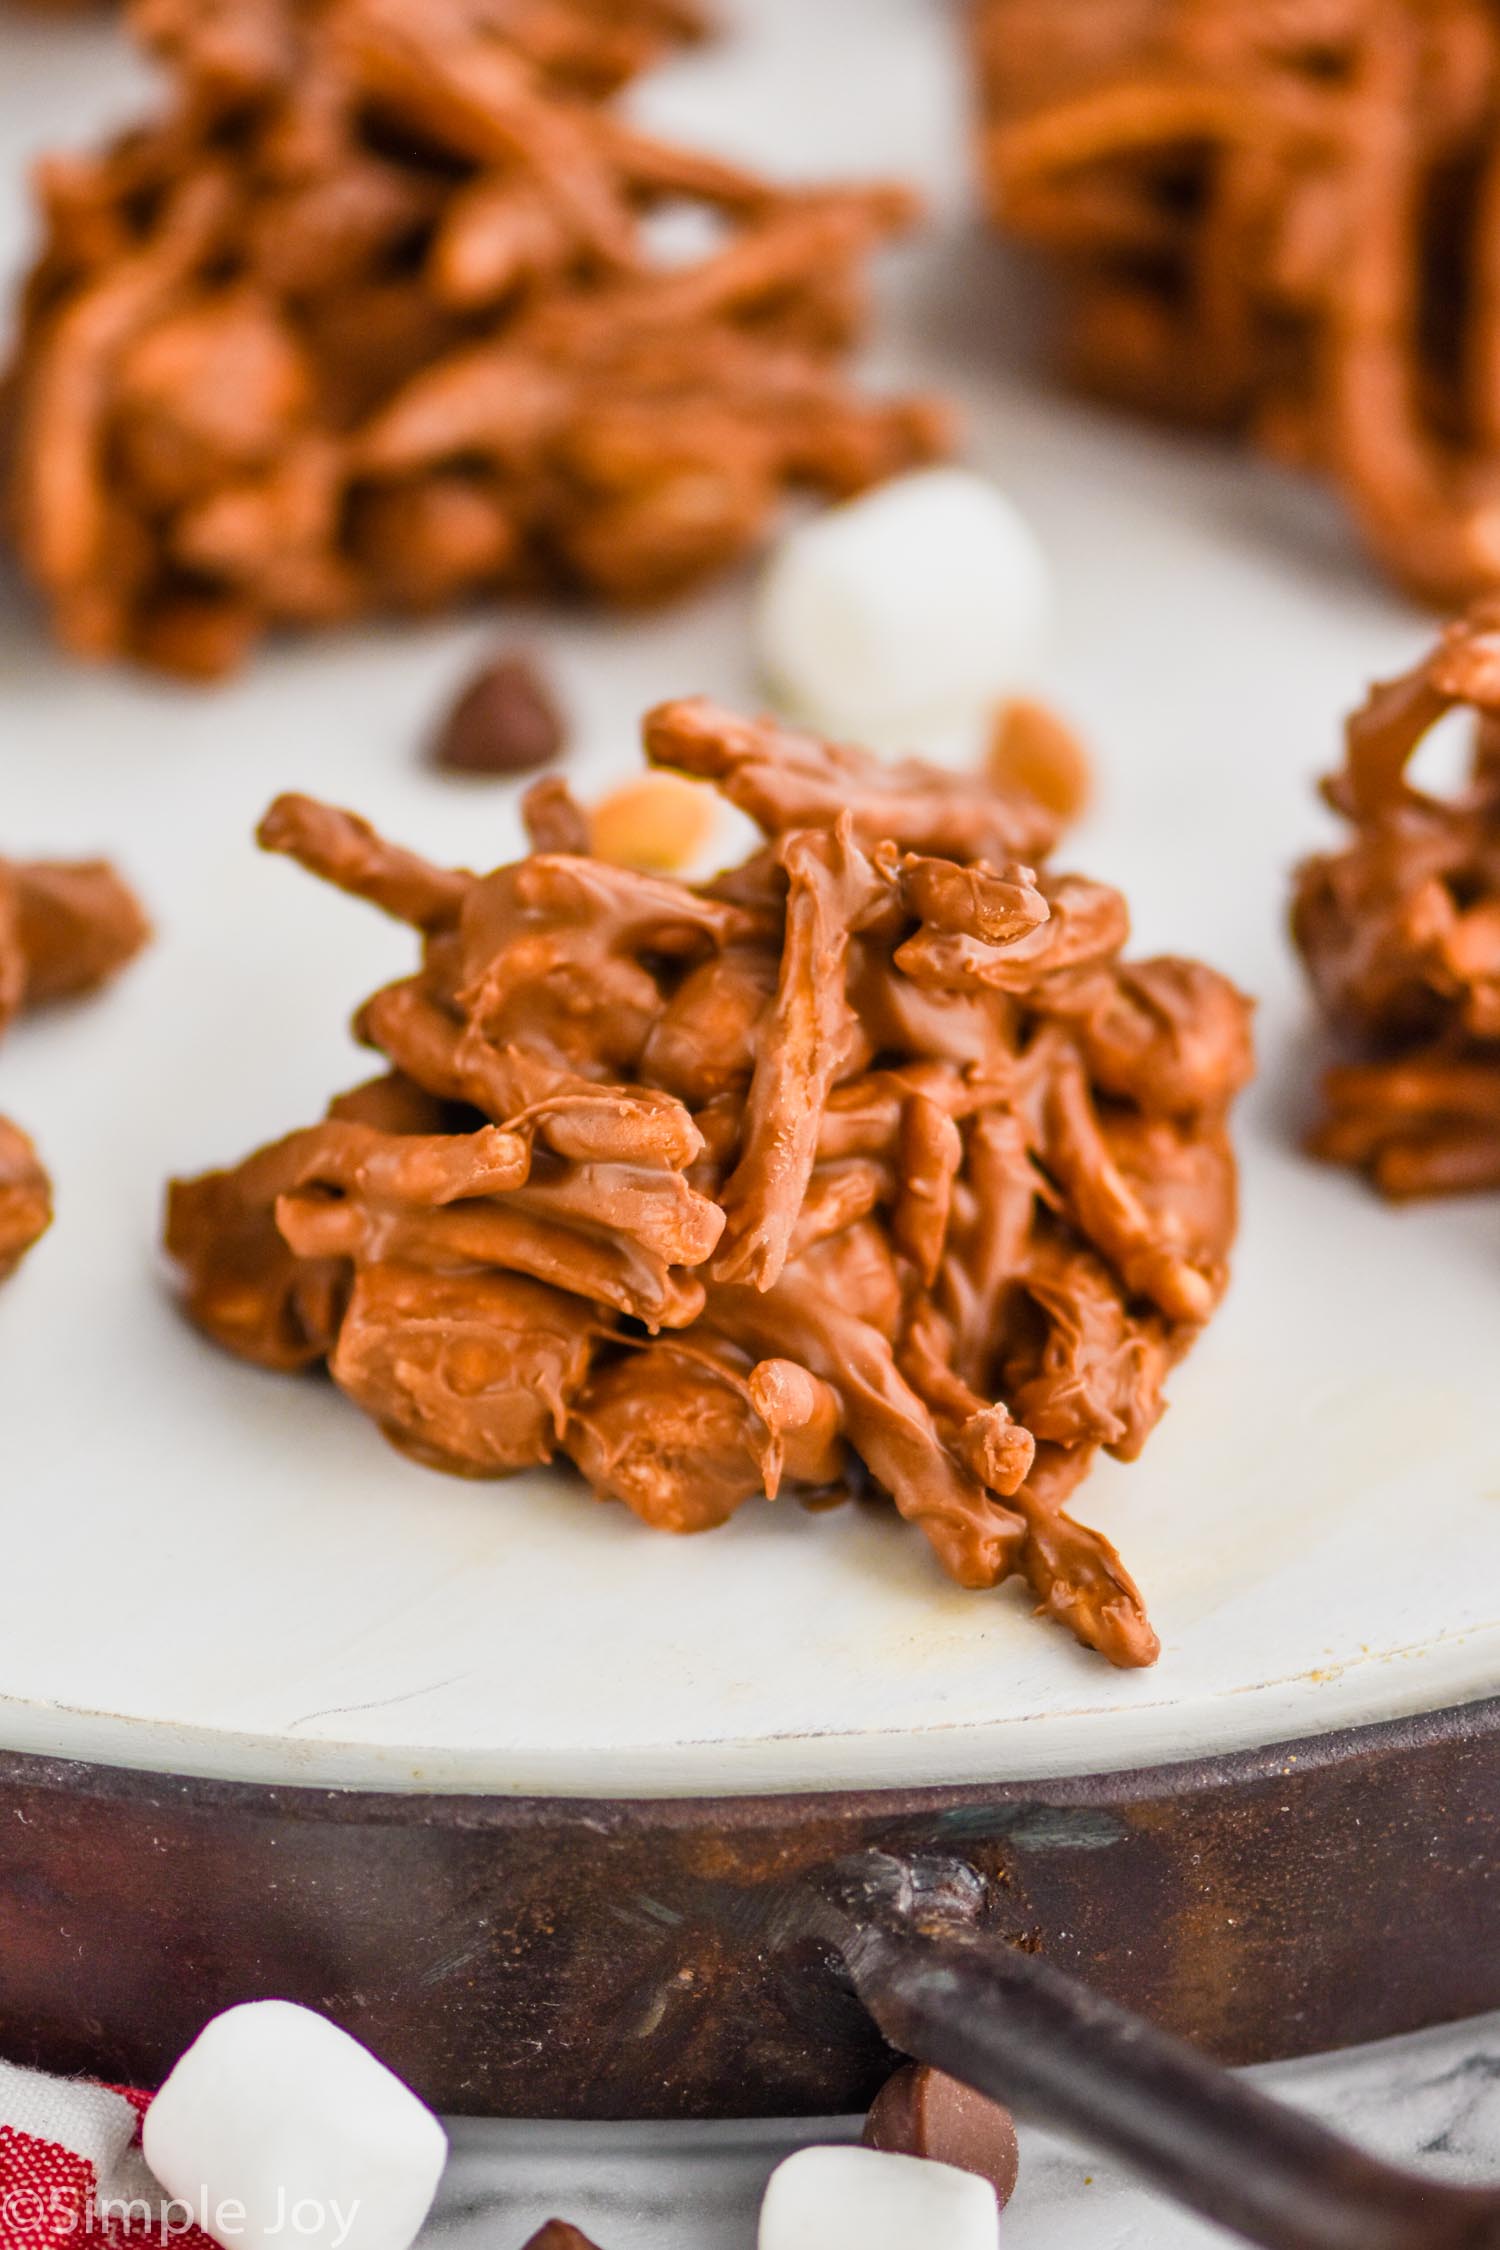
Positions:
(505, 721)
(920, 2112)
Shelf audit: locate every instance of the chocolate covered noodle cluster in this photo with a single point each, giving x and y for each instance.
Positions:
(1279, 215)
(65, 929)
(587, 47)
(385, 310)
(870, 1162)
(1400, 931)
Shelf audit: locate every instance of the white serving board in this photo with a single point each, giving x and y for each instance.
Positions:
(222, 1572)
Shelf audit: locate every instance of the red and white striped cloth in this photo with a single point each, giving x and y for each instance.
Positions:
(72, 2173)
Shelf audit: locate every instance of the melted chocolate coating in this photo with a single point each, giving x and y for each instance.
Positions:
(369, 315)
(1276, 219)
(25, 1197)
(66, 928)
(1400, 933)
(870, 1162)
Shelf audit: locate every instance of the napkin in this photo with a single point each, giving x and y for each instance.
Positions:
(72, 2176)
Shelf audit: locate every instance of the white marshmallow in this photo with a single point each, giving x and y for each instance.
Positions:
(279, 2130)
(861, 2199)
(906, 613)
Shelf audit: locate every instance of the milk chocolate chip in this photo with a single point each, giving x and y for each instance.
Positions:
(920, 2112)
(558, 2235)
(505, 721)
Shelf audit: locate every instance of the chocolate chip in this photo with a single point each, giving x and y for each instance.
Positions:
(505, 721)
(919, 2112)
(558, 2235)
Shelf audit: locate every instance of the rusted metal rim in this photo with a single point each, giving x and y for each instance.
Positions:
(596, 1958)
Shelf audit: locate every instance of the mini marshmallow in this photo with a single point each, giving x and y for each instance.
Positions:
(906, 614)
(280, 2132)
(861, 2199)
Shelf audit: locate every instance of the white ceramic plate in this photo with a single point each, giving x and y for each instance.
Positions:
(218, 1571)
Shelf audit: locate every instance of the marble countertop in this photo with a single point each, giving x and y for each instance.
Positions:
(1432, 2100)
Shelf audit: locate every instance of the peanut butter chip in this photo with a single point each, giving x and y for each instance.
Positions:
(658, 823)
(1031, 748)
(505, 721)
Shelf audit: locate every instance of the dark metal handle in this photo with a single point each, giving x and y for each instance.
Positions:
(1023, 2032)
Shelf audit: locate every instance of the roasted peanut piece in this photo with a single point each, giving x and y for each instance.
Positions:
(1033, 750)
(660, 823)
